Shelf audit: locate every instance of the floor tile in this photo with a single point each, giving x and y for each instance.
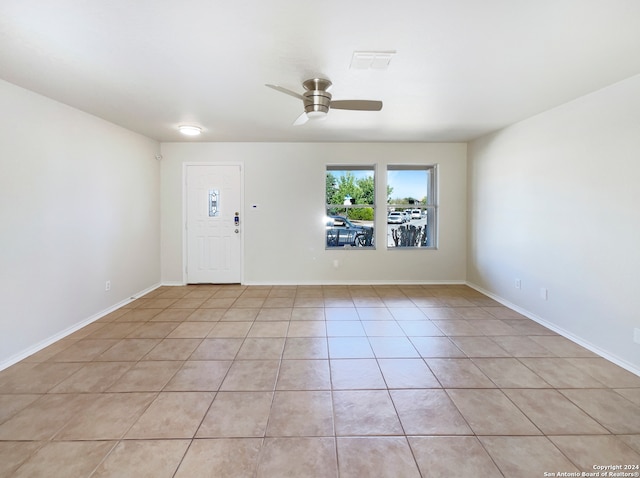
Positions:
(217, 349)
(349, 347)
(174, 315)
(191, 330)
(269, 329)
(345, 328)
(256, 348)
(15, 453)
(172, 415)
(374, 313)
(428, 412)
(407, 373)
(232, 457)
(472, 313)
(407, 313)
(611, 410)
(153, 330)
(352, 374)
(509, 373)
(106, 416)
(305, 348)
(308, 302)
(278, 314)
(173, 349)
(554, 414)
(218, 303)
(128, 350)
(458, 327)
(527, 457)
(301, 413)
(279, 302)
(441, 313)
(459, 373)
(84, 350)
(632, 441)
(382, 457)
(479, 347)
(365, 412)
(436, 347)
(251, 375)
(199, 376)
(240, 315)
(115, 330)
(393, 347)
(632, 394)
(307, 328)
(341, 313)
(606, 372)
(235, 329)
(136, 458)
(204, 315)
(304, 375)
(76, 458)
(307, 313)
(93, 377)
(519, 346)
(453, 456)
(490, 412)
(10, 404)
(311, 457)
(146, 376)
(559, 373)
(42, 419)
(586, 451)
(562, 347)
(237, 414)
(421, 328)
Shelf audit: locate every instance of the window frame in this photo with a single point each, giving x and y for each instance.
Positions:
(431, 205)
(369, 236)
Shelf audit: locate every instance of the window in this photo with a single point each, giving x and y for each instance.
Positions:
(411, 206)
(350, 206)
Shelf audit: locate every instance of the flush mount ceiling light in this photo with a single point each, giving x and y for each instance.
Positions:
(190, 130)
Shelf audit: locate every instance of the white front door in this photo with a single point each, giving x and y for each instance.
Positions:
(213, 235)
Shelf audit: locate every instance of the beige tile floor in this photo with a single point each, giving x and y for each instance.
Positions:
(388, 381)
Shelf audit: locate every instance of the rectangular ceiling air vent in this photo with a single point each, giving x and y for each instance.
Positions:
(374, 60)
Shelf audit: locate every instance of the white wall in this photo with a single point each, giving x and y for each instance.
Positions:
(555, 201)
(284, 240)
(79, 205)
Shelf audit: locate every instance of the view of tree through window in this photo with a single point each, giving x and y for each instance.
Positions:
(411, 207)
(350, 206)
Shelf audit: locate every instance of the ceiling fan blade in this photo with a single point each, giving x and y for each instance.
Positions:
(360, 105)
(302, 119)
(286, 91)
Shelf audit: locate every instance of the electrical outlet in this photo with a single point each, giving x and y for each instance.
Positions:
(107, 285)
(544, 293)
(636, 335)
(518, 284)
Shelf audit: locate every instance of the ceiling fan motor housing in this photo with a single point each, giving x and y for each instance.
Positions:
(316, 99)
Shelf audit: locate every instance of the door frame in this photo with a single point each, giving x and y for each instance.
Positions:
(185, 166)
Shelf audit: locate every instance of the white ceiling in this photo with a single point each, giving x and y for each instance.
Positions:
(462, 68)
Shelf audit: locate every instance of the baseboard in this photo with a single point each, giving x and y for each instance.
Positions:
(68, 331)
(565, 333)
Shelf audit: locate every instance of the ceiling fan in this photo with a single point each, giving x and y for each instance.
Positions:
(317, 100)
